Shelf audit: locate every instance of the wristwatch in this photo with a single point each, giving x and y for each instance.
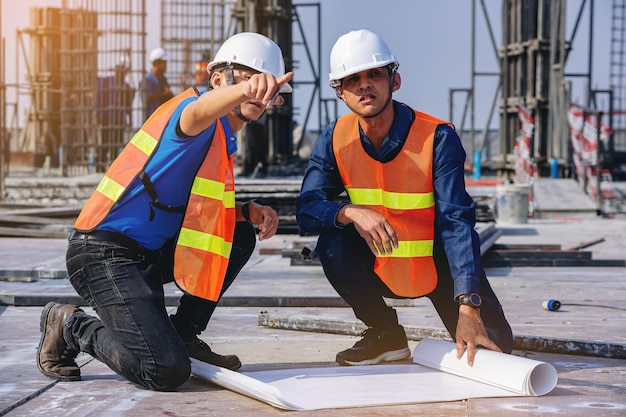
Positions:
(472, 300)
(245, 209)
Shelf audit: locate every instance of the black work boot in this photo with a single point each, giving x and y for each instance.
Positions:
(55, 358)
(376, 346)
(198, 349)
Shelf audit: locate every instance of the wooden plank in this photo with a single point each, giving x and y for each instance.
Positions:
(546, 254)
(34, 233)
(521, 342)
(550, 262)
(21, 219)
(586, 244)
(44, 211)
(537, 247)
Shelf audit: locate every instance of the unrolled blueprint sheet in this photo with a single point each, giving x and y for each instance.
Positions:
(436, 376)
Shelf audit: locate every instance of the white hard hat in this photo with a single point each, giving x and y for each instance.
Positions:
(357, 51)
(254, 51)
(158, 54)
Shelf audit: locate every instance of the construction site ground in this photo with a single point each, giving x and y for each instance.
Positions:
(281, 314)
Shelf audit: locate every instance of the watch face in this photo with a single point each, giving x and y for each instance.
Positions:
(475, 299)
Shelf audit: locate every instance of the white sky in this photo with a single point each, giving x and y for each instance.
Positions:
(430, 38)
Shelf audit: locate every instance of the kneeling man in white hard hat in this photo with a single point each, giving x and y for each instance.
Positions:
(165, 211)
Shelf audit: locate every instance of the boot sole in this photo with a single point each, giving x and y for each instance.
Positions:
(394, 355)
(42, 327)
(231, 364)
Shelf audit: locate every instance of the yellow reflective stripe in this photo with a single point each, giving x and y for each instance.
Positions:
(213, 189)
(401, 201)
(144, 142)
(110, 189)
(205, 242)
(411, 249)
(229, 199)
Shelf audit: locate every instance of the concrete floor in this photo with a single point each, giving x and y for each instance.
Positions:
(590, 326)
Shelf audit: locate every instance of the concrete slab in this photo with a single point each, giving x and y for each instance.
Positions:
(592, 310)
(587, 386)
(561, 197)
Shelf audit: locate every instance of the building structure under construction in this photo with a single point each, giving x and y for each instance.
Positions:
(66, 53)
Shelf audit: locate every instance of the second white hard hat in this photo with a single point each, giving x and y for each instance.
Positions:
(158, 54)
(254, 51)
(357, 51)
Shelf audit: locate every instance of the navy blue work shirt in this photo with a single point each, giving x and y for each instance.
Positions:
(455, 212)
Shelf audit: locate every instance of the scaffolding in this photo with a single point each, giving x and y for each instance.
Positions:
(618, 77)
(191, 33)
(43, 118)
(85, 63)
(66, 53)
(531, 76)
(4, 136)
(618, 60)
(533, 59)
(273, 18)
(63, 126)
(98, 116)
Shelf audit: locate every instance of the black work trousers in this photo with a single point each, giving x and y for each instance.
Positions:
(133, 334)
(349, 267)
(193, 313)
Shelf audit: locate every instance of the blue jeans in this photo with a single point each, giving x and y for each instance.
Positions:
(349, 267)
(133, 334)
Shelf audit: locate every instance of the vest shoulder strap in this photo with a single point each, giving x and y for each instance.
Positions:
(155, 203)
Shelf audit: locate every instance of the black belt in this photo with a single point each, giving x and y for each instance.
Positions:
(101, 235)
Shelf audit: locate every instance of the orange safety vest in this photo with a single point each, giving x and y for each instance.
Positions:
(205, 239)
(402, 191)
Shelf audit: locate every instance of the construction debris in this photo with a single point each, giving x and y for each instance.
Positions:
(521, 342)
(37, 222)
(542, 255)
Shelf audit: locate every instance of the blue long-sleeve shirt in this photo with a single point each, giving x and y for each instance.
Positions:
(317, 206)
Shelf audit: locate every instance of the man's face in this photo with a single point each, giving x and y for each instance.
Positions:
(160, 66)
(366, 92)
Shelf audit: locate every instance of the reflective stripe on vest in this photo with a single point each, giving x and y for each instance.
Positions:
(127, 165)
(402, 191)
(206, 236)
(205, 239)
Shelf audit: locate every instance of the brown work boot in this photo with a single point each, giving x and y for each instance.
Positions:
(55, 358)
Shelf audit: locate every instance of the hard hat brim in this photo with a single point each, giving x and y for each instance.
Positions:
(340, 75)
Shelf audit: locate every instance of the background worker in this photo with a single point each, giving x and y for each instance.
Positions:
(165, 210)
(157, 87)
(409, 228)
(114, 98)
